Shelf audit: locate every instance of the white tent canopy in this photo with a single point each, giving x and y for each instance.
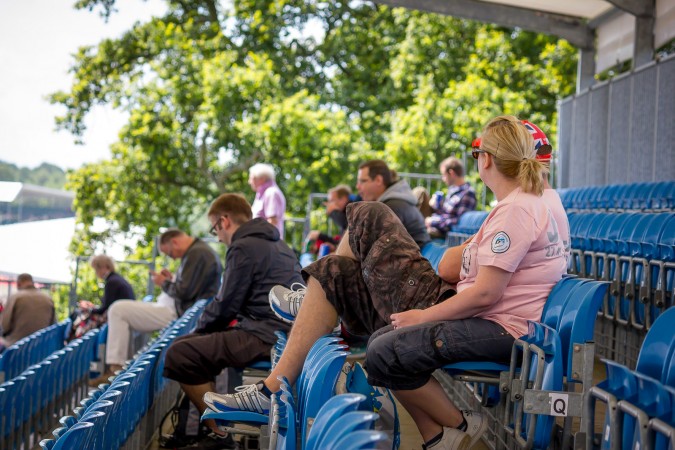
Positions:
(39, 248)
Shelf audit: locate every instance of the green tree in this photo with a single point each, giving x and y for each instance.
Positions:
(47, 175)
(311, 87)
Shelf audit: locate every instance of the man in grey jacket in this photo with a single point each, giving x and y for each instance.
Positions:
(376, 182)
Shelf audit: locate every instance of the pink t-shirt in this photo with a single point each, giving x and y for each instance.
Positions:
(270, 202)
(553, 201)
(520, 236)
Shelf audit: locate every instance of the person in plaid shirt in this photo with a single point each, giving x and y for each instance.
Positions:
(460, 198)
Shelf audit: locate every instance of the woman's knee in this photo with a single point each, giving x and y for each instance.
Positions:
(380, 352)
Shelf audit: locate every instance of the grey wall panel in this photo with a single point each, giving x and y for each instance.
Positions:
(619, 130)
(664, 157)
(579, 145)
(643, 126)
(597, 136)
(565, 130)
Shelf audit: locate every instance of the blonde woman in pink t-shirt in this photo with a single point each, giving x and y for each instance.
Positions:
(507, 271)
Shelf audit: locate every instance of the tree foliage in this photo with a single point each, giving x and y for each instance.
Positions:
(311, 87)
(47, 175)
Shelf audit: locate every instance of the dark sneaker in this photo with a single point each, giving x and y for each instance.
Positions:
(211, 441)
(286, 302)
(247, 398)
(173, 441)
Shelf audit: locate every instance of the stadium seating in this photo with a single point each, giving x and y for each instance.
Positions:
(32, 349)
(122, 414)
(639, 411)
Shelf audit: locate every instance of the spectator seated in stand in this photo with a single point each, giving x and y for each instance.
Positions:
(116, 288)
(257, 260)
(336, 205)
(448, 208)
(26, 312)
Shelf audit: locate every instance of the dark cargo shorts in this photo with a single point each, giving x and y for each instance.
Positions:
(388, 276)
(405, 358)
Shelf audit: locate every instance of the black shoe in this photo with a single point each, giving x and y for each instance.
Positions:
(211, 441)
(173, 441)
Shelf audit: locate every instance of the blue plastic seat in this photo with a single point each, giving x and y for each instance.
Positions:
(434, 252)
(577, 321)
(658, 347)
(330, 413)
(345, 425)
(358, 440)
(77, 436)
(287, 428)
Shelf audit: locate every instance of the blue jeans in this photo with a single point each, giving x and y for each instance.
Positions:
(405, 358)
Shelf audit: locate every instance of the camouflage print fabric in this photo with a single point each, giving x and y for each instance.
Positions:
(388, 276)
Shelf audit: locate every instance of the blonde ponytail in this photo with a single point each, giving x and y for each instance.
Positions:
(530, 176)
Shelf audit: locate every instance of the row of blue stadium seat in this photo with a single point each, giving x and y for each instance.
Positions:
(314, 418)
(636, 252)
(640, 404)
(656, 196)
(125, 413)
(30, 401)
(33, 349)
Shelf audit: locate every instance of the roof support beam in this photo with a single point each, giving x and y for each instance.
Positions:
(585, 69)
(643, 51)
(573, 29)
(638, 8)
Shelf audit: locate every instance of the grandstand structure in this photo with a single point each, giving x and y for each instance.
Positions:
(615, 305)
(21, 202)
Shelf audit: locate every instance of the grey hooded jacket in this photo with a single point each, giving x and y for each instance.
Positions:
(402, 201)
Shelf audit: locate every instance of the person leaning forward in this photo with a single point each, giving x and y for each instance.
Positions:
(257, 260)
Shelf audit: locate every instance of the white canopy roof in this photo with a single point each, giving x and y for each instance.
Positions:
(39, 248)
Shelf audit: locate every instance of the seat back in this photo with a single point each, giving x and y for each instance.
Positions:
(434, 253)
(331, 412)
(577, 321)
(557, 299)
(658, 348)
(77, 436)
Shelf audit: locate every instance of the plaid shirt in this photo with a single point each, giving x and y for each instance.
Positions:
(459, 200)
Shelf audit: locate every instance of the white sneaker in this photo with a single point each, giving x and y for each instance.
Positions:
(246, 398)
(286, 302)
(475, 425)
(453, 439)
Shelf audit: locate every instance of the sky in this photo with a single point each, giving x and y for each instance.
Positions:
(37, 41)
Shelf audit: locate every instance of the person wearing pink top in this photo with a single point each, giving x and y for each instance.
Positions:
(418, 322)
(269, 202)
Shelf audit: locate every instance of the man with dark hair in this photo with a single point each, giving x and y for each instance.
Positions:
(460, 198)
(336, 205)
(197, 277)
(26, 312)
(376, 182)
(257, 260)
